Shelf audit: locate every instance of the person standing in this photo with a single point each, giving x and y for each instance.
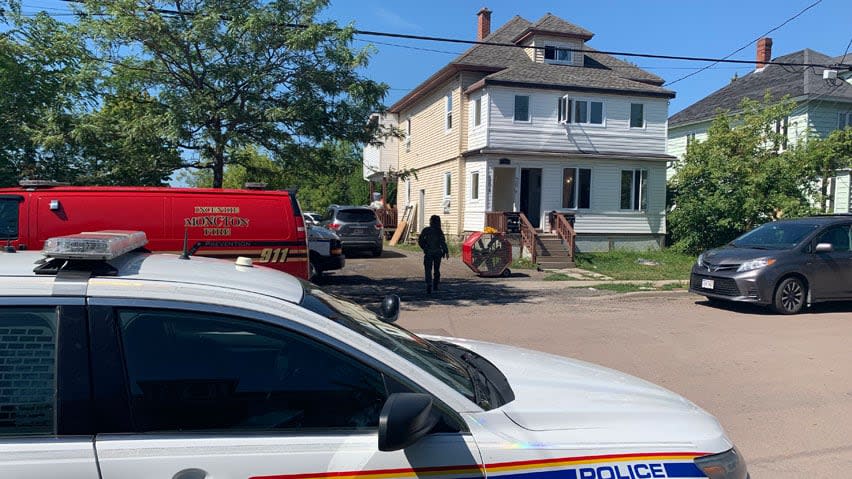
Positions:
(434, 247)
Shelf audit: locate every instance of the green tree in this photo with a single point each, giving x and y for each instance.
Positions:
(826, 157)
(232, 73)
(738, 179)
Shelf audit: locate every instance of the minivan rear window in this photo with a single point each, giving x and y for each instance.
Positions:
(9, 217)
(356, 216)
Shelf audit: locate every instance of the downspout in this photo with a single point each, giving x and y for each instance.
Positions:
(460, 208)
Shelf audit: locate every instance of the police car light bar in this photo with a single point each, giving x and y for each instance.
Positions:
(96, 245)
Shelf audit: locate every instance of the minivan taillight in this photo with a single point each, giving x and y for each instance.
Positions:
(378, 226)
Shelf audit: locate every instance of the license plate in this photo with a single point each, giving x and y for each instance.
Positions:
(707, 283)
(357, 231)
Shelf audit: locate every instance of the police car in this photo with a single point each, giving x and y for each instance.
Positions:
(118, 363)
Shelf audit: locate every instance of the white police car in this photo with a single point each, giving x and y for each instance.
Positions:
(117, 363)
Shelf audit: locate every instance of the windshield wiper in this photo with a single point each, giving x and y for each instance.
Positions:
(480, 385)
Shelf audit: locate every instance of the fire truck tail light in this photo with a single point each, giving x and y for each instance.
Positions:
(96, 245)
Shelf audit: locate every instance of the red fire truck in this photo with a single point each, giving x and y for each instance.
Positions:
(266, 226)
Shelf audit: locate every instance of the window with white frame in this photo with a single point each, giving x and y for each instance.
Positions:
(522, 108)
(572, 110)
(555, 54)
(408, 192)
(477, 112)
(844, 120)
(448, 124)
(637, 115)
(690, 139)
(781, 129)
(634, 191)
(474, 185)
(408, 134)
(448, 182)
(576, 188)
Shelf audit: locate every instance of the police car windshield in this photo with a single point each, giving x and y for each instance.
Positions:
(402, 342)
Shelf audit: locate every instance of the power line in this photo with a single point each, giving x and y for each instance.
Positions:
(746, 45)
(508, 45)
(842, 60)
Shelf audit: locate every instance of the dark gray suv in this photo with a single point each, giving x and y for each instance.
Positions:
(357, 226)
(785, 264)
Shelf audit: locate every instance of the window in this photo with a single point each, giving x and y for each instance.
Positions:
(553, 54)
(576, 188)
(408, 192)
(634, 195)
(448, 182)
(781, 126)
(522, 108)
(9, 217)
(448, 125)
(838, 237)
(690, 139)
(408, 134)
(193, 371)
(477, 112)
(844, 120)
(637, 115)
(27, 370)
(570, 110)
(474, 185)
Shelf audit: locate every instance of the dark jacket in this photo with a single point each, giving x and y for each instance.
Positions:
(432, 242)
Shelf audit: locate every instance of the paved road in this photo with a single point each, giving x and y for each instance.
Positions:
(781, 385)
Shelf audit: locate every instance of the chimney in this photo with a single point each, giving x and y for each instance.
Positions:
(483, 28)
(764, 52)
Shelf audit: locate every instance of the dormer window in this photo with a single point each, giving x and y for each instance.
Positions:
(558, 55)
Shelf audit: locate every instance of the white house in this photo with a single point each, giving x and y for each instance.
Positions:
(822, 105)
(538, 123)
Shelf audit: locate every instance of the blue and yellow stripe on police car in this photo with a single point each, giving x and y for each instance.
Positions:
(608, 466)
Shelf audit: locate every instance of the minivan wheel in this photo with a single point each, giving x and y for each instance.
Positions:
(790, 296)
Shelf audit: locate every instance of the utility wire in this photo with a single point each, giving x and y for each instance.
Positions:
(726, 57)
(165, 11)
(843, 60)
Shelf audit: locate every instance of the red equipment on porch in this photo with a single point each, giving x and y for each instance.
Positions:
(487, 254)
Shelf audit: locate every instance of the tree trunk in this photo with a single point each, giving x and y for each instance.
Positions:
(218, 169)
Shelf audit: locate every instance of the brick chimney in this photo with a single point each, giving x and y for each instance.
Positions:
(483, 28)
(764, 52)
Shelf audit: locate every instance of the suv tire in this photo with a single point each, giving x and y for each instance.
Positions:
(790, 296)
(377, 251)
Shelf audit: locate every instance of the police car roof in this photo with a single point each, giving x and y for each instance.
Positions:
(167, 268)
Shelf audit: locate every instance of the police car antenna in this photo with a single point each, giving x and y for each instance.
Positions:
(185, 254)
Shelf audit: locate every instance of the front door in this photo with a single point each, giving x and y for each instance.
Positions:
(216, 396)
(531, 195)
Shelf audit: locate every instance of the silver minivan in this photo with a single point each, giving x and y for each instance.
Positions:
(786, 264)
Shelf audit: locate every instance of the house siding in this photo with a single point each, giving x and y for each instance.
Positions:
(545, 133)
(478, 136)
(431, 179)
(823, 116)
(605, 215)
(843, 193)
(474, 210)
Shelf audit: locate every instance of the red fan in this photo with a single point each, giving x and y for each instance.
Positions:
(487, 254)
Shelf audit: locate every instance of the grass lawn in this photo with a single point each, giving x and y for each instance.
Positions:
(632, 288)
(628, 265)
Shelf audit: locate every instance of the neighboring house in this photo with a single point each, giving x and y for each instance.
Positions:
(553, 126)
(822, 105)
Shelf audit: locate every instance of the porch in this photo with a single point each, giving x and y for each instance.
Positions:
(554, 250)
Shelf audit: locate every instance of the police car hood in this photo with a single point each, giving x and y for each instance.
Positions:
(555, 393)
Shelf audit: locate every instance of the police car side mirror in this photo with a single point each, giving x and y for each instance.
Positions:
(390, 308)
(405, 419)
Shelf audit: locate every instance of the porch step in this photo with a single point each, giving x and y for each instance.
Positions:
(552, 253)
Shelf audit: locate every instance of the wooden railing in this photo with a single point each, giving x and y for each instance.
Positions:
(528, 236)
(388, 217)
(563, 229)
(496, 220)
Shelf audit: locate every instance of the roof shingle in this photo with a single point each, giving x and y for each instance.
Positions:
(779, 80)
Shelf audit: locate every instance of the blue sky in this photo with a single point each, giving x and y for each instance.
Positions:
(685, 28)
